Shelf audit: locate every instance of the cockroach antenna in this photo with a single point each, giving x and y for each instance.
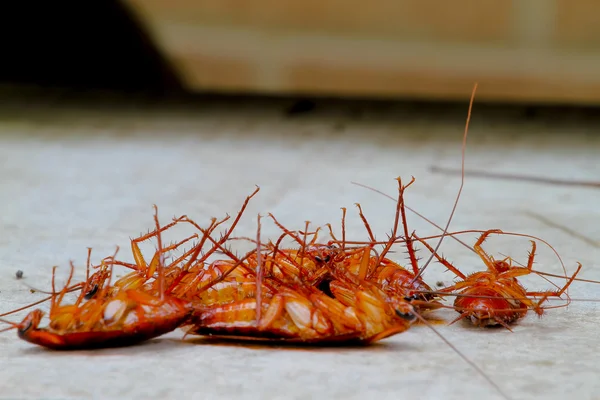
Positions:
(462, 183)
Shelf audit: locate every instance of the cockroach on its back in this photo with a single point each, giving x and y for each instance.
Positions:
(111, 316)
(312, 262)
(293, 311)
(136, 308)
(495, 297)
(179, 275)
(383, 272)
(507, 295)
(126, 317)
(114, 316)
(299, 315)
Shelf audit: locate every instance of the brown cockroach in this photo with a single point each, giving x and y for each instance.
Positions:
(301, 313)
(496, 297)
(311, 263)
(134, 291)
(113, 317)
(292, 311)
(492, 268)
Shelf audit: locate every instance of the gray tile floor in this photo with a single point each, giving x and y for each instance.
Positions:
(77, 175)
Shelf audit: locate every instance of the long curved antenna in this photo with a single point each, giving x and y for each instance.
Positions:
(462, 183)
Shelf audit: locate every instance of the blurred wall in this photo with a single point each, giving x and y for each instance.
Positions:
(534, 50)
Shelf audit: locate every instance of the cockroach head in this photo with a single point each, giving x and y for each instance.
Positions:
(32, 320)
(404, 310)
(322, 253)
(92, 292)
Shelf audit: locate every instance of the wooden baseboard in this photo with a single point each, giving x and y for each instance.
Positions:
(223, 46)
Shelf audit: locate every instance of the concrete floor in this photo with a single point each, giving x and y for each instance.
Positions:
(76, 175)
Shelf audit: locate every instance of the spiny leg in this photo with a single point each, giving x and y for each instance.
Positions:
(158, 258)
(217, 244)
(399, 212)
(501, 322)
(343, 228)
(294, 234)
(84, 286)
(278, 243)
(54, 294)
(88, 264)
(286, 231)
(488, 261)
(331, 234)
(212, 227)
(135, 249)
(142, 272)
(64, 290)
(229, 231)
(364, 263)
(315, 237)
(220, 245)
(303, 248)
(161, 264)
(409, 240)
(531, 256)
(556, 293)
(194, 252)
(365, 223)
(463, 315)
(363, 271)
(110, 271)
(442, 260)
(314, 234)
(259, 273)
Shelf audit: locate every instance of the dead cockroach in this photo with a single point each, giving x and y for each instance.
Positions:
(196, 276)
(416, 280)
(312, 262)
(298, 312)
(113, 317)
(143, 307)
(495, 297)
(293, 315)
(386, 274)
(493, 268)
(292, 311)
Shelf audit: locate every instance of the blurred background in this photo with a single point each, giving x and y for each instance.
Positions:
(385, 76)
(538, 51)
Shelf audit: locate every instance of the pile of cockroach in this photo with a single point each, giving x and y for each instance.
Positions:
(338, 291)
(317, 291)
